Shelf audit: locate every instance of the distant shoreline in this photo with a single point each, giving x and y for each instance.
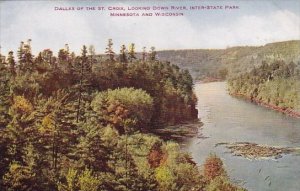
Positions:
(289, 112)
(209, 79)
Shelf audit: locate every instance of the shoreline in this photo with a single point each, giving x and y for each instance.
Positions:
(289, 112)
(179, 132)
(209, 80)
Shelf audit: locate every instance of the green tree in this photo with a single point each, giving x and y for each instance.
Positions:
(5, 96)
(92, 56)
(131, 52)
(124, 107)
(58, 133)
(91, 149)
(20, 127)
(109, 50)
(123, 54)
(88, 181)
(11, 63)
(83, 72)
(152, 54)
(25, 57)
(21, 55)
(19, 178)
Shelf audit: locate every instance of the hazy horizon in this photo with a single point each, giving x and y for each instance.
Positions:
(255, 23)
(157, 48)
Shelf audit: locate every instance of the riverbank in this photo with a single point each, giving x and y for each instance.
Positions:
(230, 120)
(210, 79)
(286, 111)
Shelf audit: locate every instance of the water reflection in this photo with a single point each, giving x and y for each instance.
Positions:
(228, 119)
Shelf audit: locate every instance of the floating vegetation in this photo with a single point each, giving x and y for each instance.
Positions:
(255, 151)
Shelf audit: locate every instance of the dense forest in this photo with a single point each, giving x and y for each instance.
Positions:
(276, 85)
(78, 122)
(217, 63)
(268, 75)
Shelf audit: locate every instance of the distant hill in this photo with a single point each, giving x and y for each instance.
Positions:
(216, 62)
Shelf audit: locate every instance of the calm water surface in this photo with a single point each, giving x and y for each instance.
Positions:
(228, 119)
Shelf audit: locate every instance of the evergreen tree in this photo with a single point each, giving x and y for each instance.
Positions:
(123, 54)
(5, 158)
(5, 96)
(91, 151)
(83, 73)
(131, 52)
(29, 64)
(20, 128)
(11, 63)
(47, 57)
(58, 132)
(92, 56)
(21, 55)
(39, 59)
(25, 57)
(152, 54)
(109, 50)
(19, 177)
(66, 61)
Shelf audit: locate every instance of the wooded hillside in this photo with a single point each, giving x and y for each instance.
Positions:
(217, 63)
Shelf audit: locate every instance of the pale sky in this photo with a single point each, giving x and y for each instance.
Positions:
(254, 23)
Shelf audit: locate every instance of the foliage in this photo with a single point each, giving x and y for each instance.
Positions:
(155, 156)
(124, 108)
(276, 84)
(223, 63)
(165, 178)
(70, 123)
(83, 181)
(216, 177)
(19, 178)
(213, 167)
(222, 183)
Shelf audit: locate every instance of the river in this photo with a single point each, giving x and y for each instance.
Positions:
(229, 119)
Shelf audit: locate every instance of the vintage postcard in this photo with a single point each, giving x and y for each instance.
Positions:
(140, 95)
